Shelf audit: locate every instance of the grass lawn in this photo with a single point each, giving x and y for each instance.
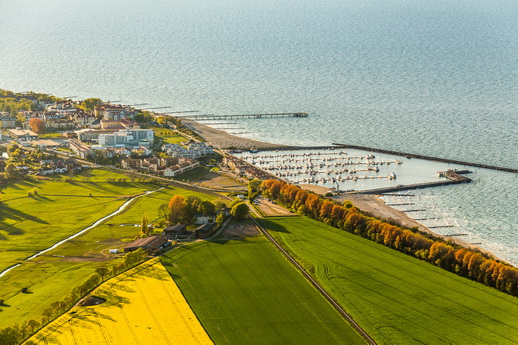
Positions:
(52, 275)
(48, 282)
(169, 136)
(246, 292)
(398, 299)
(30, 224)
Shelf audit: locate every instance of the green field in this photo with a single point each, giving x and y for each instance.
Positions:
(398, 299)
(29, 224)
(169, 136)
(246, 292)
(51, 218)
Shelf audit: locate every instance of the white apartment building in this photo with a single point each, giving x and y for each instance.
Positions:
(127, 137)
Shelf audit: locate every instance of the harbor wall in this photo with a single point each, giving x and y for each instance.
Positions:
(430, 158)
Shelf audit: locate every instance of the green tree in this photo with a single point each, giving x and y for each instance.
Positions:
(33, 325)
(192, 206)
(239, 211)
(102, 271)
(207, 207)
(144, 226)
(89, 104)
(254, 187)
(220, 218)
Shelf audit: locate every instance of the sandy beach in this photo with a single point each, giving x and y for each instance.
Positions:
(224, 140)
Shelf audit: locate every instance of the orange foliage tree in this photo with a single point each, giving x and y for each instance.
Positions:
(463, 261)
(37, 125)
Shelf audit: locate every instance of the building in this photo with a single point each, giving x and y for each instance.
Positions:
(175, 231)
(204, 218)
(185, 165)
(205, 230)
(127, 137)
(193, 150)
(80, 149)
(22, 134)
(150, 244)
(131, 163)
(6, 120)
(115, 112)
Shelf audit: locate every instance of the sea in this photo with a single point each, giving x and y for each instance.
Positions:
(437, 78)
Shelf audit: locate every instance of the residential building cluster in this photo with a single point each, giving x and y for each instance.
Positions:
(193, 150)
(244, 169)
(167, 167)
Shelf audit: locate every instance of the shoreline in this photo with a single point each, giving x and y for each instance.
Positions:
(369, 203)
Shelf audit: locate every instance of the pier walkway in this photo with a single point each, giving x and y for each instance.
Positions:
(241, 116)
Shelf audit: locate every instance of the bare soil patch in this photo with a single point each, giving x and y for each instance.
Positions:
(89, 301)
(239, 230)
(270, 209)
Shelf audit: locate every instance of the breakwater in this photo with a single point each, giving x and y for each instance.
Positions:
(452, 177)
(430, 158)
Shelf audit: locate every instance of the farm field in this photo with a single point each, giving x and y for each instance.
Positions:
(397, 299)
(246, 292)
(53, 275)
(143, 306)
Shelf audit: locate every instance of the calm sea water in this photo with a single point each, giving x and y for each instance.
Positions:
(432, 77)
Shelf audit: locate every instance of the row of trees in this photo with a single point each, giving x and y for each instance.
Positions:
(462, 261)
(16, 334)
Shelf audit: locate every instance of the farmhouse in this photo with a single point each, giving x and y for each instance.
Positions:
(173, 231)
(205, 230)
(203, 218)
(149, 244)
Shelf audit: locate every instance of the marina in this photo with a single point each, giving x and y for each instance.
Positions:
(342, 171)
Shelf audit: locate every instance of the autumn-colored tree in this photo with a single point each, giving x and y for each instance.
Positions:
(447, 255)
(176, 209)
(37, 125)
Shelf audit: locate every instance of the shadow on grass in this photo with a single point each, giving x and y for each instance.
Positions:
(7, 212)
(272, 226)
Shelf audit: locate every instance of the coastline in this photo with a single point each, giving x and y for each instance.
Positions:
(224, 140)
(372, 204)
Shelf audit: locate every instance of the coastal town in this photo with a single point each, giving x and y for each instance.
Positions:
(200, 185)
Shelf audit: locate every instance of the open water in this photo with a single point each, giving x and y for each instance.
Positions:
(432, 77)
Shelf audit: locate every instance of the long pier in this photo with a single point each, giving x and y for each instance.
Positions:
(241, 116)
(430, 158)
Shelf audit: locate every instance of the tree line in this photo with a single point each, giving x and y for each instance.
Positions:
(445, 254)
(17, 333)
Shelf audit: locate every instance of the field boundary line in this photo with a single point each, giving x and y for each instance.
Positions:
(324, 293)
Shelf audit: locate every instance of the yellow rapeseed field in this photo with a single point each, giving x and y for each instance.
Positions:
(143, 306)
